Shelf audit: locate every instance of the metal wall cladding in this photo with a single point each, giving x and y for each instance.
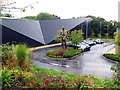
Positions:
(29, 28)
(39, 31)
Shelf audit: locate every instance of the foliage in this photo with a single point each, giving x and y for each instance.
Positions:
(59, 52)
(22, 53)
(68, 54)
(46, 16)
(75, 36)
(112, 56)
(17, 77)
(116, 69)
(6, 52)
(99, 26)
(30, 17)
(102, 82)
(117, 43)
(42, 16)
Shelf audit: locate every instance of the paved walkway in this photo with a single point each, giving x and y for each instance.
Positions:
(112, 51)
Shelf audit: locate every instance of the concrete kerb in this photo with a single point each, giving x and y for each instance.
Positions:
(112, 51)
(45, 46)
(108, 59)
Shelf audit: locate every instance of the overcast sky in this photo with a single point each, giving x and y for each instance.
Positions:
(65, 9)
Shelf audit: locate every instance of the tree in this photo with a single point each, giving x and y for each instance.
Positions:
(46, 16)
(100, 27)
(42, 16)
(75, 36)
(30, 17)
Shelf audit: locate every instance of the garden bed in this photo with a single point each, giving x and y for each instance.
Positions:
(60, 54)
(111, 57)
(70, 58)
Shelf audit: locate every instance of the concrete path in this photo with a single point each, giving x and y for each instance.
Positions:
(112, 51)
(90, 62)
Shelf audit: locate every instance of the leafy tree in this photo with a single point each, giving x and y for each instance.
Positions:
(46, 16)
(42, 16)
(30, 17)
(75, 36)
(100, 27)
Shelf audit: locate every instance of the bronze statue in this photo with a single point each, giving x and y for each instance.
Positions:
(63, 36)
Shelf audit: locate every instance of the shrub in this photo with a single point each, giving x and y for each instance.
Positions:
(117, 43)
(50, 52)
(112, 56)
(7, 78)
(16, 77)
(23, 54)
(83, 82)
(6, 52)
(116, 69)
(77, 52)
(59, 53)
(70, 48)
(68, 54)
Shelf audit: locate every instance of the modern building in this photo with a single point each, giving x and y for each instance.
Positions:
(38, 32)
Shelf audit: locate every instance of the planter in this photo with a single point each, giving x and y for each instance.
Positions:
(73, 57)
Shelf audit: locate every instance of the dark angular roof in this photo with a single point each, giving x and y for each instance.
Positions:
(42, 31)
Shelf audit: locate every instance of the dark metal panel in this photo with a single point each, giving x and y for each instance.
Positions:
(50, 27)
(10, 36)
(29, 28)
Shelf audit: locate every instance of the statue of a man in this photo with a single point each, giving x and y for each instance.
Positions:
(63, 36)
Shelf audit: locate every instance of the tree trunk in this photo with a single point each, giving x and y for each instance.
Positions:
(117, 39)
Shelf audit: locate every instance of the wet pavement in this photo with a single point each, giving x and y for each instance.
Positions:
(89, 62)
